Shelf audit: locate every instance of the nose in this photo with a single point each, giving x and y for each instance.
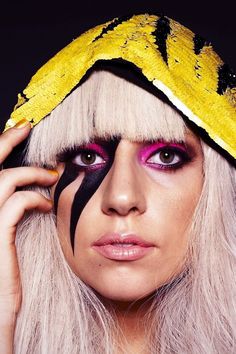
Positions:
(123, 191)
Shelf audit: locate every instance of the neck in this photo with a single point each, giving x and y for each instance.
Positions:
(131, 322)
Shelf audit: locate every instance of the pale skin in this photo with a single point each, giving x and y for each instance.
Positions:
(123, 203)
(134, 198)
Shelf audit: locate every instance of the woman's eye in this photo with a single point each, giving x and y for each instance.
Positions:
(168, 158)
(88, 158)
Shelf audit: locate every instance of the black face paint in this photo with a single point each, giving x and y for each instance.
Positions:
(88, 187)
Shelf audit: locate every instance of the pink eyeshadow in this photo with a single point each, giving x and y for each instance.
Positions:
(147, 151)
(96, 148)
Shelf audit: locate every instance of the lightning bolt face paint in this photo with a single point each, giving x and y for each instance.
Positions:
(94, 161)
(75, 164)
(145, 189)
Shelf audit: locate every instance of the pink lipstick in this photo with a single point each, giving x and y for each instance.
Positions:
(122, 248)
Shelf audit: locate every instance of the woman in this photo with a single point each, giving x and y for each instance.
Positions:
(136, 253)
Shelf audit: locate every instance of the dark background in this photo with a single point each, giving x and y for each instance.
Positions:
(32, 32)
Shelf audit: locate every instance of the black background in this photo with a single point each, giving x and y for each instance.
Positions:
(32, 32)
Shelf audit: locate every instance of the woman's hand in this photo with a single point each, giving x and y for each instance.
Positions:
(13, 205)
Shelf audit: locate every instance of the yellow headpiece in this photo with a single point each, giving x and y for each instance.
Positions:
(178, 62)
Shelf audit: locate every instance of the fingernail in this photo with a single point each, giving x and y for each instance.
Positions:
(21, 124)
(53, 172)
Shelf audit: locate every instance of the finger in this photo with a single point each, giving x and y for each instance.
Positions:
(12, 178)
(12, 137)
(10, 214)
(9, 274)
(13, 211)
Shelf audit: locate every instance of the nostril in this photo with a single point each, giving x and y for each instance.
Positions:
(122, 210)
(134, 209)
(111, 210)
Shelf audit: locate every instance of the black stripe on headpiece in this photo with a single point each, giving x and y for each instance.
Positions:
(226, 79)
(24, 96)
(113, 25)
(161, 33)
(199, 43)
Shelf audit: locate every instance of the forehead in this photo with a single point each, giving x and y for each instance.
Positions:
(106, 105)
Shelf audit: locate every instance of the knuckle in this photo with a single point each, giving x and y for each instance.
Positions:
(22, 197)
(6, 142)
(8, 177)
(18, 197)
(4, 175)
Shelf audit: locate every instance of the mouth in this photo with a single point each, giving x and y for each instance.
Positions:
(114, 246)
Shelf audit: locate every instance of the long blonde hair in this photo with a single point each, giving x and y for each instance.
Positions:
(196, 313)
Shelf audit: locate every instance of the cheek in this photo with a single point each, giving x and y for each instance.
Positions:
(173, 200)
(64, 215)
(67, 196)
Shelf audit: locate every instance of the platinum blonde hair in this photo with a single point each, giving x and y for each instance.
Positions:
(196, 312)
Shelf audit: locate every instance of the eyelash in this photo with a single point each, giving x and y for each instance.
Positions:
(181, 154)
(92, 152)
(71, 155)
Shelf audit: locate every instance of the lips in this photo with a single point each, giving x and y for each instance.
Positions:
(114, 246)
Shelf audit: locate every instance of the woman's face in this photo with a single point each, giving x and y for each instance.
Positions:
(123, 212)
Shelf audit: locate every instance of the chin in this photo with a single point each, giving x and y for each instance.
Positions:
(120, 283)
(123, 295)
